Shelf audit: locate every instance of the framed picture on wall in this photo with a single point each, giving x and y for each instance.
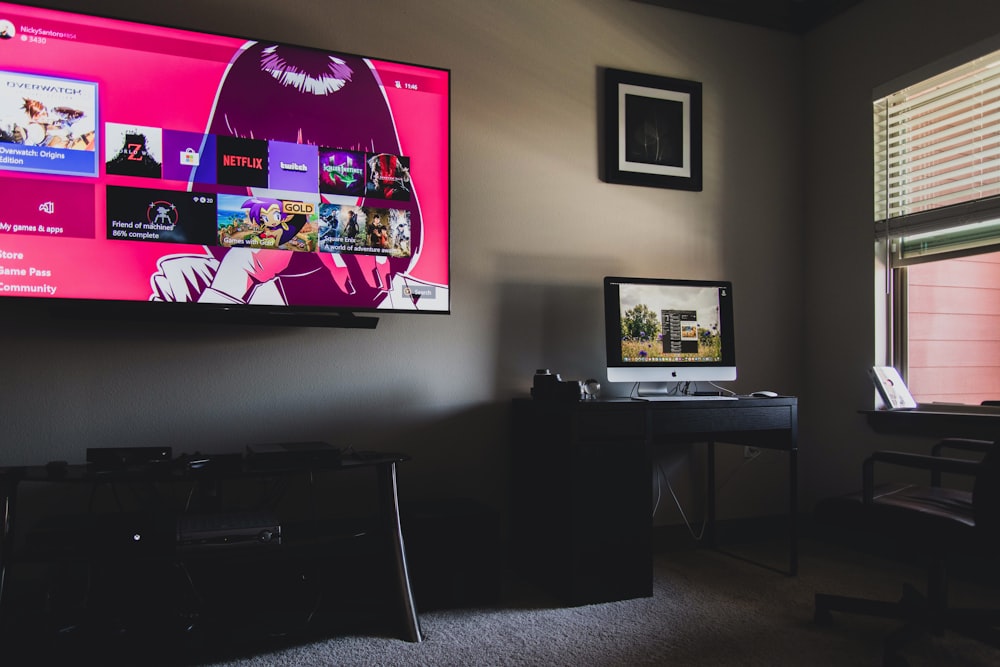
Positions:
(652, 130)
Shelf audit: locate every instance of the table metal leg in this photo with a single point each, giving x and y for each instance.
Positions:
(394, 532)
(793, 508)
(7, 497)
(793, 512)
(710, 534)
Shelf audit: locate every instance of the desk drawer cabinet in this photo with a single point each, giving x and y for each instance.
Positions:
(581, 495)
(581, 502)
(609, 541)
(713, 420)
(609, 422)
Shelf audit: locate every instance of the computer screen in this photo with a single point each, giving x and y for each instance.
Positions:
(663, 330)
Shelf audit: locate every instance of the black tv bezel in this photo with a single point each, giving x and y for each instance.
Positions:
(612, 323)
(243, 314)
(205, 313)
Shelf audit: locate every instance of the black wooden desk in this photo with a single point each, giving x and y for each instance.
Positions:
(581, 483)
(383, 464)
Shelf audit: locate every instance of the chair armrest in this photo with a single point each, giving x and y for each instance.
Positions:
(963, 444)
(906, 459)
(967, 444)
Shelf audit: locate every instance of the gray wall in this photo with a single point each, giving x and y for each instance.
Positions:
(528, 261)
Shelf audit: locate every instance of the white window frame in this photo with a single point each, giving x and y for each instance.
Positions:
(905, 190)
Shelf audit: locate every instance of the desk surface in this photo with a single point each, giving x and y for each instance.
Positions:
(176, 470)
(740, 400)
(935, 424)
(743, 402)
(770, 423)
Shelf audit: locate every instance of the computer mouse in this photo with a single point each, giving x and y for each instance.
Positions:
(764, 394)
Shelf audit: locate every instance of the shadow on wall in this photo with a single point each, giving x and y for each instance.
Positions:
(456, 455)
(465, 454)
(110, 370)
(559, 327)
(72, 384)
(461, 454)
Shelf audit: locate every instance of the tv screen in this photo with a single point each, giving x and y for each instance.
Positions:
(669, 331)
(192, 172)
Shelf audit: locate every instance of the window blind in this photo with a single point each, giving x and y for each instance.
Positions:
(937, 158)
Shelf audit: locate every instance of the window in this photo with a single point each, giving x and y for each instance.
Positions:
(937, 218)
(953, 329)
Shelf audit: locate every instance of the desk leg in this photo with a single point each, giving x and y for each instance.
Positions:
(793, 508)
(793, 511)
(389, 499)
(710, 535)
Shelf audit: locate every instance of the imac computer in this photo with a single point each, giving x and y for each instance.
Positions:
(666, 335)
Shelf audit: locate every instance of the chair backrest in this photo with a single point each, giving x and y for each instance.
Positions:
(986, 496)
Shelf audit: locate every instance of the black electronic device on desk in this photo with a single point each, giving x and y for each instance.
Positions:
(123, 457)
(228, 529)
(209, 463)
(275, 455)
(550, 386)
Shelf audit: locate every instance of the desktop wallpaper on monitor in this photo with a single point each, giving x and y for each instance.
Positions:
(664, 323)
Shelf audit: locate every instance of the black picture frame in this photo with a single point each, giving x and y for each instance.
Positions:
(652, 130)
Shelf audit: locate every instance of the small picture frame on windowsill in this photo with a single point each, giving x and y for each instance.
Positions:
(652, 131)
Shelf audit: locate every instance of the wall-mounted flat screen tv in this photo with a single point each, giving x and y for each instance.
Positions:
(179, 172)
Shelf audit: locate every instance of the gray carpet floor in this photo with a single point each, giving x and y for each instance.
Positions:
(708, 608)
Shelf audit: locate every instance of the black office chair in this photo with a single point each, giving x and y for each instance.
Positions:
(938, 524)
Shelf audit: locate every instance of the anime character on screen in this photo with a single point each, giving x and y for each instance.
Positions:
(337, 102)
(276, 227)
(59, 127)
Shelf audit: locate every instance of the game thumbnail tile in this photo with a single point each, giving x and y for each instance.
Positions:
(133, 150)
(163, 216)
(267, 222)
(388, 176)
(341, 172)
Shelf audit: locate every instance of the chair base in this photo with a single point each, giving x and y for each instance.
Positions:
(921, 616)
